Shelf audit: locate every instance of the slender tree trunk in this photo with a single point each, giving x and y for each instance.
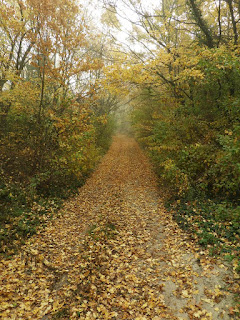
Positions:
(234, 23)
(42, 91)
(219, 23)
(197, 14)
(4, 110)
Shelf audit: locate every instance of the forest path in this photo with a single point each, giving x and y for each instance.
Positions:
(114, 253)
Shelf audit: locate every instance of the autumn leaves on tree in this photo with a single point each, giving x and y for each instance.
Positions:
(46, 97)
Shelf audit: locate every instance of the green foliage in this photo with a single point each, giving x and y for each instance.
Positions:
(194, 145)
(215, 225)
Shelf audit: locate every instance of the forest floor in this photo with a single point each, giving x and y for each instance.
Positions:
(113, 252)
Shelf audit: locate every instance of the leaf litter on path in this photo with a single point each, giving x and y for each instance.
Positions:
(114, 253)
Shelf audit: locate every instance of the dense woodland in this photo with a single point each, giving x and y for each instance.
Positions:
(179, 75)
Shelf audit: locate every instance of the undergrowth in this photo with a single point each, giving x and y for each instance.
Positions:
(22, 214)
(215, 226)
(27, 207)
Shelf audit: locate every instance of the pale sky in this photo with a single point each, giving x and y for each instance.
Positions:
(95, 8)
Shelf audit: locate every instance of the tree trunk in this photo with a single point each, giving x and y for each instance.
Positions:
(197, 15)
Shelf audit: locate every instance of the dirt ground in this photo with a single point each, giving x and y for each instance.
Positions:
(114, 253)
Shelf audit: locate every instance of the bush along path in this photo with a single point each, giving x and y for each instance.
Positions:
(115, 253)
